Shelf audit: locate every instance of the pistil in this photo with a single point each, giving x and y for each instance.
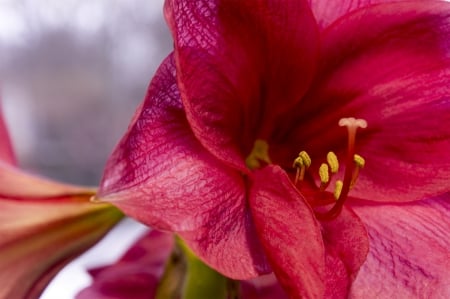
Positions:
(351, 167)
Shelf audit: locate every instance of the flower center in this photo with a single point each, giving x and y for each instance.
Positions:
(354, 163)
(317, 196)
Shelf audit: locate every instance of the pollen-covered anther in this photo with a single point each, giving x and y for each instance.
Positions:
(324, 174)
(333, 162)
(301, 163)
(306, 158)
(338, 189)
(359, 163)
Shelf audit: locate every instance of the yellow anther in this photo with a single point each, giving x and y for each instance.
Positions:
(338, 189)
(333, 162)
(298, 162)
(323, 173)
(302, 162)
(359, 161)
(305, 157)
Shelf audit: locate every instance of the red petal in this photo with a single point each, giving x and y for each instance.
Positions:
(6, 151)
(347, 245)
(409, 250)
(229, 244)
(136, 275)
(326, 11)
(161, 175)
(289, 233)
(390, 65)
(240, 64)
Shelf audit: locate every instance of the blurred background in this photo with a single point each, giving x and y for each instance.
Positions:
(72, 73)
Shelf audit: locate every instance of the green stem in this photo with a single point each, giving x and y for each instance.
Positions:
(187, 277)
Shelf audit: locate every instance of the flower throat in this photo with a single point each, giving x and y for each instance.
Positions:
(259, 156)
(354, 163)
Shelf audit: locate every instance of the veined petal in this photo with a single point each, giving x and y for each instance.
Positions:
(6, 152)
(229, 244)
(39, 237)
(409, 250)
(161, 175)
(326, 11)
(390, 65)
(240, 65)
(347, 245)
(289, 233)
(137, 274)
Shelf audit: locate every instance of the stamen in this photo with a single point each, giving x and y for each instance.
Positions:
(333, 162)
(305, 157)
(302, 162)
(324, 176)
(359, 163)
(338, 189)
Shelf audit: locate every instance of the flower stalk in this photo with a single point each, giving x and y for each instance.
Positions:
(187, 277)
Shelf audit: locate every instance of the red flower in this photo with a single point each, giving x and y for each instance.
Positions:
(209, 154)
(43, 226)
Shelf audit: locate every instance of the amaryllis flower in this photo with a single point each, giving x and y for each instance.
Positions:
(43, 226)
(362, 92)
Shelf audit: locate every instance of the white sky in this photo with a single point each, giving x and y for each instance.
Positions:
(89, 16)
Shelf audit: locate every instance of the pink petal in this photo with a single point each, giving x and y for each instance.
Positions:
(390, 65)
(409, 250)
(262, 287)
(326, 11)
(289, 233)
(137, 274)
(161, 175)
(240, 65)
(6, 151)
(15, 183)
(39, 237)
(347, 245)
